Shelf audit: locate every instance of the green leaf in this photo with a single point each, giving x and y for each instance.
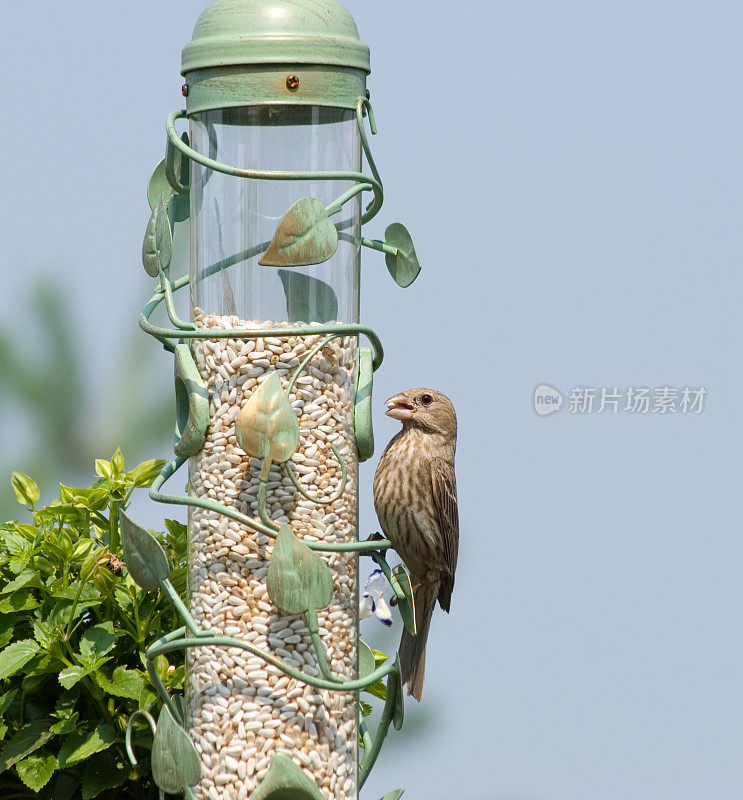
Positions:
(308, 299)
(29, 578)
(377, 689)
(36, 770)
(127, 683)
(18, 601)
(29, 738)
(305, 235)
(98, 640)
(146, 472)
(87, 594)
(366, 709)
(71, 675)
(298, 580)
(26, 491)
(6, 630)
(46, 635)
(103, 468)
(267, 426)
(63, 786)
(175, 762)
(157, 248)
(79, 746)
(66, 725)
(15, 656)
(6, 699)
(102, 771)
(117, 463)
(145, 558)
(20, 549)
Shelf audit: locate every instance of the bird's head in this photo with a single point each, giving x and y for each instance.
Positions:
(427, 409)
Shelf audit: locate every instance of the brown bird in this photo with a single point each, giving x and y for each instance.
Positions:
(415, 496)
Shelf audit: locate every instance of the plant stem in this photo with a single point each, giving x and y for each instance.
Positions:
(114, 541)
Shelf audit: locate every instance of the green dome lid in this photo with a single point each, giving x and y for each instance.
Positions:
(264, 32)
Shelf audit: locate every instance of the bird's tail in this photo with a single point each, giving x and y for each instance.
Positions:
(413, 648)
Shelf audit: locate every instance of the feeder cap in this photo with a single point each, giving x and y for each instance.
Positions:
(233, 33)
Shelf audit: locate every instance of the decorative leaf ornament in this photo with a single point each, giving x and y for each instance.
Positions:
(366, 660)
(267, 426)
(308, 298)
(404, 267)
(175, 762)
(398, 709)
(157, 248)
(285, 780)
(405, 604)
(298, 580)
(145, 558)
(305, 235)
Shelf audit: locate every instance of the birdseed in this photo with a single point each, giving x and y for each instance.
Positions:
(240, 710)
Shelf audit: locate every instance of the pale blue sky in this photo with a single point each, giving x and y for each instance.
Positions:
(572, 174)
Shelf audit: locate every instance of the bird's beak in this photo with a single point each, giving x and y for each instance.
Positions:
(400, 407)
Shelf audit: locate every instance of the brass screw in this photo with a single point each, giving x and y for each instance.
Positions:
(184, 90)
(292, 83)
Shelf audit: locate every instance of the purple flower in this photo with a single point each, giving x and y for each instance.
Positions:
(372, 600)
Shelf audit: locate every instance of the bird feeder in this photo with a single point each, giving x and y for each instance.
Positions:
(271, 165)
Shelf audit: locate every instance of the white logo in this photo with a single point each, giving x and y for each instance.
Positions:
(546, 400)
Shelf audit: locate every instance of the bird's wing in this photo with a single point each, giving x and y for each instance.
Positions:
(447, 516)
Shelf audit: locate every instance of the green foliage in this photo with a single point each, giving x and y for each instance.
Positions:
(73, 626)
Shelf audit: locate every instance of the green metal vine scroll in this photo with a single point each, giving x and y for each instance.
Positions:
(298, 581)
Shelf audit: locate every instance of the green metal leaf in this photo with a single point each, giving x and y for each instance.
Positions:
(159, 186)
(285, 781)
(404, 267)
(145, 558)
(398, 711)
(366, 660)
(26, 491)
(362, 409)
(298, 579)
(157, 248)
(308, 299)
(406, 604)
(180, 707)
(396, 795)
(175, 762)
(191, 404)
(267, 426)
(305, 235)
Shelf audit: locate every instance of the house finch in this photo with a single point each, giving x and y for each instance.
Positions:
(415, 496)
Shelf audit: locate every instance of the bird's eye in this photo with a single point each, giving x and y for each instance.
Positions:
(426, 399)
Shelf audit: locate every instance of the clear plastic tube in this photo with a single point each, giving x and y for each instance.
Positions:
(233, 219)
